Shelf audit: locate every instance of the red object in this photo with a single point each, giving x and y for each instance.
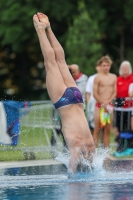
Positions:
(80, 74)
(99, 105)
(123, 87)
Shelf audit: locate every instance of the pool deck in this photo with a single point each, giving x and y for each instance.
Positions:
(114, 164)
(119, 159)
(28, 163)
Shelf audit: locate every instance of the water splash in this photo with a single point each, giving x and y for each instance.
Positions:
(85, 165)
(98, 159)
(62, 156)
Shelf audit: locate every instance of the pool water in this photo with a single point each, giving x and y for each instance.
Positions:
(113, 182)
(73, 191)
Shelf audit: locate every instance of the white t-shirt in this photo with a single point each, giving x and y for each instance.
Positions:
(92, 101)
(130, 89)
(81, 84)
(89, 85)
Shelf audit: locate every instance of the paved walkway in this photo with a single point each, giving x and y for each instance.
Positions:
(118, 159)
(28, 163)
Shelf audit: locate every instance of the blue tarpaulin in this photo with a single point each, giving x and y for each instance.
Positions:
(12, 117)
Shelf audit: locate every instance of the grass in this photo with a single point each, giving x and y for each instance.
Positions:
(18, 155)
(30, 140)
(32, 136)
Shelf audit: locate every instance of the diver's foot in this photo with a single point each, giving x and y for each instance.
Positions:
(44, 19)
(37, 23)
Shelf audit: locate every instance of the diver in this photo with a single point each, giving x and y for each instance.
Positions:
(64, 94)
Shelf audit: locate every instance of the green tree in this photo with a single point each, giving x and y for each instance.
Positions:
(20, 46)
(87, 29)
(83, 45)
(118, 34)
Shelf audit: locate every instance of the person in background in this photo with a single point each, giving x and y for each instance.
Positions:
(124, 79)
(104, 91)
(90, 100)
(80, 78)
(123, 114)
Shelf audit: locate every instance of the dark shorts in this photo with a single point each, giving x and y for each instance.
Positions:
(71, 95)
(122, 120)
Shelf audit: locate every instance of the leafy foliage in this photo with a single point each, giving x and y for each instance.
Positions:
(83, 43)
(87, 29)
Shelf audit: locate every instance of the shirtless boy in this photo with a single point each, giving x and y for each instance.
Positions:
(104, 92)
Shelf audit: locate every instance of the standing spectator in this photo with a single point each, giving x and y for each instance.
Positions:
(123, 82)
(90, 100)
(104, 92)
(80, 78)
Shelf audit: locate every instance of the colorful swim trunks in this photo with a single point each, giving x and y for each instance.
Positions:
(105, 113)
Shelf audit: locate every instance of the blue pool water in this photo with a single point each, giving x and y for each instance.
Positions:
(113, 182)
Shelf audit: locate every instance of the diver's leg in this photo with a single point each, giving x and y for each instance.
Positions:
(54, 81)
(59, 53)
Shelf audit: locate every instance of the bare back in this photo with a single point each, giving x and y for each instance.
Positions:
(74, 124)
